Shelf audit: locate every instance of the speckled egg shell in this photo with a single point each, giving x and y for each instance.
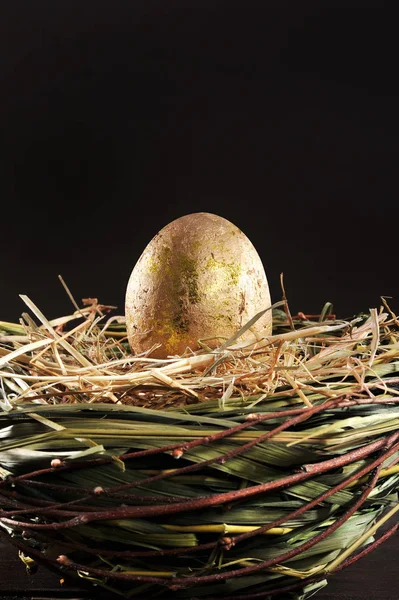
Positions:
(199, 277)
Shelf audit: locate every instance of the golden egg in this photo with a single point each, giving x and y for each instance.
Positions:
(199, 277)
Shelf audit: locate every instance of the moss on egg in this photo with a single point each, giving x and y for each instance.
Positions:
(199, 277)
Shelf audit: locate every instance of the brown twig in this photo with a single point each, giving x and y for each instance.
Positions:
(234, 540)
(214, 500)
(69, 466)
(306, 581)
(183, 582)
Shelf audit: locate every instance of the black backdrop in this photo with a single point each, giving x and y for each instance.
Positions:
(117, 117)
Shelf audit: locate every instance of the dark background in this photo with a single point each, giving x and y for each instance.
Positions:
(117, 117)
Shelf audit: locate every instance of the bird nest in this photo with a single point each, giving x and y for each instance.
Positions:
(239, 472)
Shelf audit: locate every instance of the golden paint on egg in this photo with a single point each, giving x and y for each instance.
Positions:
(199, 277)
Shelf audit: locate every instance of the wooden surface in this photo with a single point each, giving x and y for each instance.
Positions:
(375, 577)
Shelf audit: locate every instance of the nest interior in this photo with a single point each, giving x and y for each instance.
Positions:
(237, 473)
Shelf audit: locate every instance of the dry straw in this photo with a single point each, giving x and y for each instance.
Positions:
(236, 473)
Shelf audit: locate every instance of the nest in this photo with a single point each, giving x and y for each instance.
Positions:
(235, 473)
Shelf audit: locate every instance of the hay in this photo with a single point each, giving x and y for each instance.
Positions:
(241, 472)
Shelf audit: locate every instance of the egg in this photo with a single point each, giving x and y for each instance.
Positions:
(200, 278)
